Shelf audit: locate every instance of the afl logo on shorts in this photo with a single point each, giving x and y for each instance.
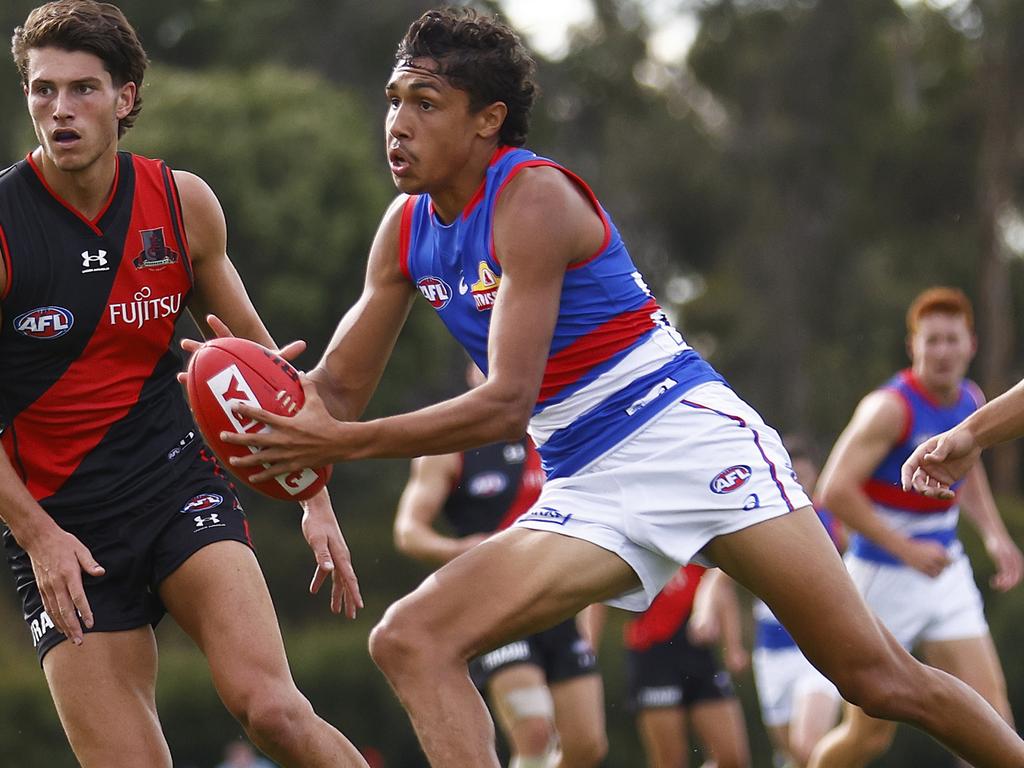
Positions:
(436, 291)
(44, 322)
(731, 479)
(203, 502)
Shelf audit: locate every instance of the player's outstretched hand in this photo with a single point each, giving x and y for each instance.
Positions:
(310, 438)
(58, 560)
(220, 330)
(939, 462)
(323, 534)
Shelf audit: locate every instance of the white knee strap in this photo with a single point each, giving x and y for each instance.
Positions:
(529, 762)
(534, 701)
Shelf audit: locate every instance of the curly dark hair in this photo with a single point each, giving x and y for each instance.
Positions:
(480, 55)
(85, 25)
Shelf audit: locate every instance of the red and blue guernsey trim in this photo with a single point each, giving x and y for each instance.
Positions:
(916, 515)
(615, 360)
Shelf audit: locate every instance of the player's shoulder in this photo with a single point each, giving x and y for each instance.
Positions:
(883, 411)
(9, 178)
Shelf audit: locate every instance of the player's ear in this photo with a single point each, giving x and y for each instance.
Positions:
(125, 100)
(490, 119)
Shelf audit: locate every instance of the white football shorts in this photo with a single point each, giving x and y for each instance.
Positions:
(783, 676)
(704, 467)
(917, 608)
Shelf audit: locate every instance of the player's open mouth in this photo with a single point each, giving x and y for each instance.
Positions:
(65, 136)
(398, 161)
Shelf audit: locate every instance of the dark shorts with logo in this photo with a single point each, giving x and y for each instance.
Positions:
(675, 674)
(139, 546)
(560, 652)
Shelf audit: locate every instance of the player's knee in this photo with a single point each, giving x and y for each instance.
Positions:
(396, 642)
(273, 718)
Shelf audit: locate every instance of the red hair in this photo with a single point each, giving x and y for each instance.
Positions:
(940, 300)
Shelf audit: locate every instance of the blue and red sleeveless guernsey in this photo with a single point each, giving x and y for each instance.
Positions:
(916, 516)
(615, 361)
(90, 411)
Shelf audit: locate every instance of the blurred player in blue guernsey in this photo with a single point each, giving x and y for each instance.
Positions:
(116, 511)
(651, 459)
(904, 554)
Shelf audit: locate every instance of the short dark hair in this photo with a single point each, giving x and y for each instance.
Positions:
(480, 55)
(86, 25)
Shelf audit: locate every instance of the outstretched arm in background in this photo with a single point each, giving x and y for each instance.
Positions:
(431, 480)
(876, 426)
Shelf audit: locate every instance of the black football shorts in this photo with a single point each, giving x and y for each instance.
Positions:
(139, 547)
(675, 674)
(560, 652)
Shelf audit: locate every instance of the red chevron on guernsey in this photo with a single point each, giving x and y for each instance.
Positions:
(573, 362)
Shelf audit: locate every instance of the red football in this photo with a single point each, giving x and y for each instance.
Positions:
(227, 371)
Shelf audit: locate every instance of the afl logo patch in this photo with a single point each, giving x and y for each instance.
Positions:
(731, 479)
(44, 322)
(436, 291)
(203, 502)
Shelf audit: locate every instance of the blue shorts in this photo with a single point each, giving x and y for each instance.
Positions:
(138, 546)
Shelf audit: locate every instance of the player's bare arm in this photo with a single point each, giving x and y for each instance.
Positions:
(876, 426)
(980, 508)
(542, 225)
(58, 558)
(220, 299)
(218, 289)
(431, 479)
(943, 459)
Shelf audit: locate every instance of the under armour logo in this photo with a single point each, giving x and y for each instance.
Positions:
(202, 522)
(94, 262)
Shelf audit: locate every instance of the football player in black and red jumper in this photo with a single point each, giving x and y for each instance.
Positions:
(116, 512)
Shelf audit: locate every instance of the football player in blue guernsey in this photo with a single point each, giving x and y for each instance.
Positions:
(116, 511)
(652, 460)
(904, 554)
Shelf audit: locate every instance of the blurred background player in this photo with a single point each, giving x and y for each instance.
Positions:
(798, 704)
(904, 553)
(545, 690)
(676, 684)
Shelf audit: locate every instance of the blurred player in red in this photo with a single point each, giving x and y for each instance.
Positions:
(676, 683)
(544, 688)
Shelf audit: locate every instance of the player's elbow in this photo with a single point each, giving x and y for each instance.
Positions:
(511, 412)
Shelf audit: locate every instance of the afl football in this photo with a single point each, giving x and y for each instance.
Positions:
(226, 372)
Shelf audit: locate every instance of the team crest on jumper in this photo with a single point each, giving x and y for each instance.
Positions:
(486, 288)
(154, 253)
(436, 291)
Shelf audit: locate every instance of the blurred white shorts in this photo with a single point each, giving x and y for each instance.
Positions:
(705, 467)
(917, 608)
(783, 677)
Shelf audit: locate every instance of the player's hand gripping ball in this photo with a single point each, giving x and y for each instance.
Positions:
(225, 372)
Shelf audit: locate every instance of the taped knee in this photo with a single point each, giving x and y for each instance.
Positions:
(534, 701)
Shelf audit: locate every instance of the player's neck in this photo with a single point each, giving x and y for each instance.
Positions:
(451, 199)
(86, 189)
(942, 394)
